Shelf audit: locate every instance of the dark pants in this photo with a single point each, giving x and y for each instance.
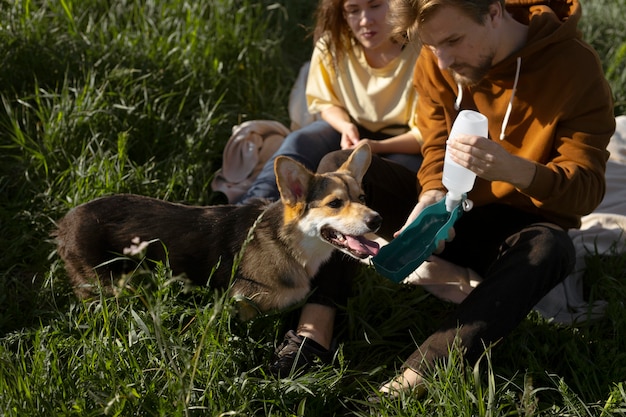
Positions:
(519, 257)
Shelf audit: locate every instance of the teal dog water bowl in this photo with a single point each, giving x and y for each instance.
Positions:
(417, 242)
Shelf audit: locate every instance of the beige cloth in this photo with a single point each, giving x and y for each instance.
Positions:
(251, 144)
(298, 108)
(602, 232)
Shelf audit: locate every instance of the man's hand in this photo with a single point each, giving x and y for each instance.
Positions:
(426, 199)
(490, 161)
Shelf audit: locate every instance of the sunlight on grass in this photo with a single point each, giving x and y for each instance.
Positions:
(134, 96)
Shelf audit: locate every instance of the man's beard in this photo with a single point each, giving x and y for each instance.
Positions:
(473, 74)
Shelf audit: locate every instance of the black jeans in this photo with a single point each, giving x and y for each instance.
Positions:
(519, 257)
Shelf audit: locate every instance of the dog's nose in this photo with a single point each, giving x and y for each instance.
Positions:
(374, 222)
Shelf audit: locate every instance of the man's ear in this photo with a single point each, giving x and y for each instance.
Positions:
(495, 15)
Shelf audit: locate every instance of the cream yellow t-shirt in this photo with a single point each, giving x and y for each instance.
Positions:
(378, 99)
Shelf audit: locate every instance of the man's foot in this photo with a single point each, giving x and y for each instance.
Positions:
(409, 383)
(297, 353)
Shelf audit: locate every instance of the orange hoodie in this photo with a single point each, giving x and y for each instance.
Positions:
(561, 115)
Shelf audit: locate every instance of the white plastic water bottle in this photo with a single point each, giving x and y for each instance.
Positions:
(456, 178)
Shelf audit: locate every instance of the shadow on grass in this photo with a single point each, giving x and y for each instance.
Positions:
(28, 300)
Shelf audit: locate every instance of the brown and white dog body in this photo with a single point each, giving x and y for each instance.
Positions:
(277, 248)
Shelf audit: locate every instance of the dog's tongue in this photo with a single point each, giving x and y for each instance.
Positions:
(363, 245)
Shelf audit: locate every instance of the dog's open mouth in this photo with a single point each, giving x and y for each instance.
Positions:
(358, 246)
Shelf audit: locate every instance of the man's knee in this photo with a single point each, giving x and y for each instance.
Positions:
(551, 246)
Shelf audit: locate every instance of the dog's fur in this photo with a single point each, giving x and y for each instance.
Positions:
(284, 242)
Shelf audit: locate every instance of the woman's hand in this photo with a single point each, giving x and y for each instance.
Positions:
(349, 136)
(374, 144)
(340, 120)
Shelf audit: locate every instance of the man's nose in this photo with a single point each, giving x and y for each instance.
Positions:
(444, 59)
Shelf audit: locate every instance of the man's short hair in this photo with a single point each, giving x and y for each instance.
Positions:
(405, 16)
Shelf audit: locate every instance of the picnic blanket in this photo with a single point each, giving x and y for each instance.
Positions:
(601, 232)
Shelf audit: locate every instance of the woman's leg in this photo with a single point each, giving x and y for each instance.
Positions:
(409, 161)
(307, 146)
(312, 339)
(412, 162)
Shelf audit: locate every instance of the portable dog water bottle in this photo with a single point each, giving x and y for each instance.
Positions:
(417, 242)
(456, 178)
(420, 239)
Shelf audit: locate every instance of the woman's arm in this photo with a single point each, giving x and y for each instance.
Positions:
(339, 119)
(404, 143)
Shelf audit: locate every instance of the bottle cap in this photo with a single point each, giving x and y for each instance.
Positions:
(453, 199)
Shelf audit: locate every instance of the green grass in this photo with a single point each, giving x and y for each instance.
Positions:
(135, 96)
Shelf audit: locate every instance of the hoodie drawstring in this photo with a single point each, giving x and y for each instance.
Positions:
(459, 97)
(509, 108)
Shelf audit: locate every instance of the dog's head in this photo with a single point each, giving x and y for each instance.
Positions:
(330, 206)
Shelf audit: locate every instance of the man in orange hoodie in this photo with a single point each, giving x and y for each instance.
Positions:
(524, 66)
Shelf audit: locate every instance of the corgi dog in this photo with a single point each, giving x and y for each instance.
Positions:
(264, 253)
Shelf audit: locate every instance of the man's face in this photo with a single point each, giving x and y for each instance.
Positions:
(461, 45)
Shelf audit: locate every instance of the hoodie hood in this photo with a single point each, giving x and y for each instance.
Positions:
(549, 22)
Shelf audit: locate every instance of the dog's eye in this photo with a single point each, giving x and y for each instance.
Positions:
(336, 203)
(362, 198)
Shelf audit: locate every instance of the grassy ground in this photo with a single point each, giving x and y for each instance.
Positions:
(139, 96)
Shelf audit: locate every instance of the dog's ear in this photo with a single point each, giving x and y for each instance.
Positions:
(358, 162)
(292, 179)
